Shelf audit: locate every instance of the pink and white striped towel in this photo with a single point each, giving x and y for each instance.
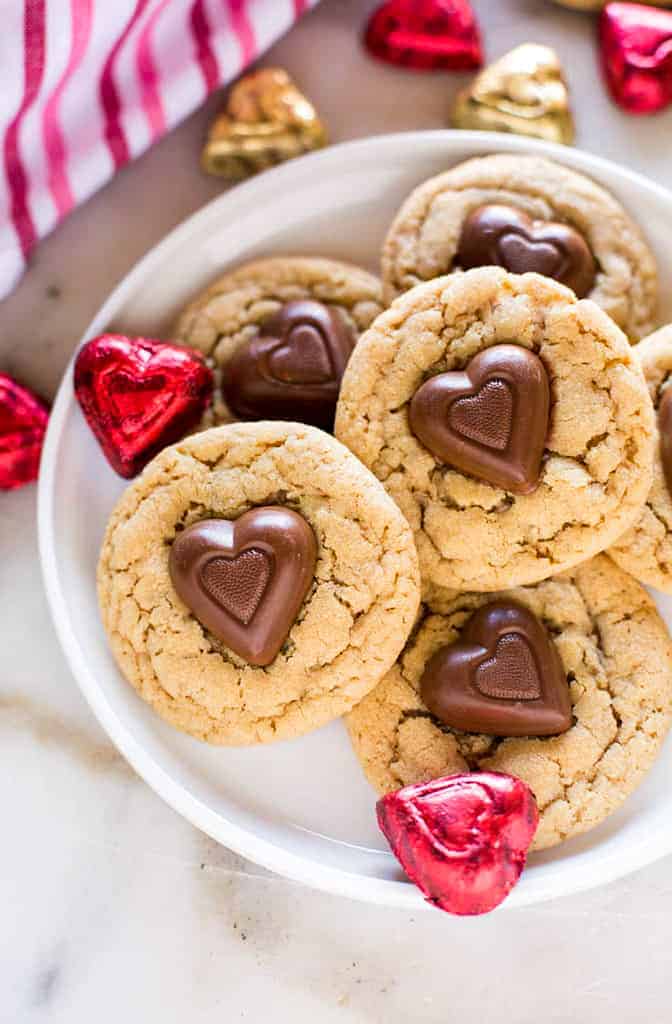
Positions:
(87, 85)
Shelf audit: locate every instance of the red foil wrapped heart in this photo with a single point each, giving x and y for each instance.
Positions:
(462, 839)
(636, 43)
(426, 35)
(139, 395)
(23, 423)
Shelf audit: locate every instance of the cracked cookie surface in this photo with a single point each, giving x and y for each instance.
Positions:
(352, 624)
(230, 311)
(596, 470)
(645, 550)
(423, 240)
(617, 656)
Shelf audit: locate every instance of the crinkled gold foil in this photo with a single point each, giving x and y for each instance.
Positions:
(266, 120)
(523, 92)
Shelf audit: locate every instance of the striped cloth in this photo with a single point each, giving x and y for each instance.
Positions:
(90, 84)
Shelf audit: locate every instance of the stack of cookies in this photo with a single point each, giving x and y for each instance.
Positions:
(427, 504)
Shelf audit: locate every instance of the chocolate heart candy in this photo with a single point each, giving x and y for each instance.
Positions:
(491, 420)
(665, 431)
(636, 47)
(425, 35)
(463, 839)
(23, 424)
(245, 579)
(292, 369)
(504, 677)
(139, 395)
(498, 235)
(523, 92)
(266, 120)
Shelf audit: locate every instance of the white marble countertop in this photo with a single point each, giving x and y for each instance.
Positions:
(112, 907)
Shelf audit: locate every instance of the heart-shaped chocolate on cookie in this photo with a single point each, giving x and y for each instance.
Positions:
(245, 579)
(491, 420)
(487, 417)
(303, 358)
(503, 678)
(238, 583)
(502, 236)
(292, 368)
(665, 431)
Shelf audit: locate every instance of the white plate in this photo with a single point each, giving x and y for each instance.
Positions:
(301, 808)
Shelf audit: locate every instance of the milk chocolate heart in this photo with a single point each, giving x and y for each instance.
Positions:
(462, 839)
(504, 677)
(491, 420)
(292, 368)
(245, 579)
(502, 236)
(665, 431)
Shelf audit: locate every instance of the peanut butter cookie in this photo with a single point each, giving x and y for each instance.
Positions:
(616, 660)
(525, 213)
(278, 333)
(510, 422)
(645, 550)
(255, 582)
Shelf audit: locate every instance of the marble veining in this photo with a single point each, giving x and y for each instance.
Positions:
(20, 713)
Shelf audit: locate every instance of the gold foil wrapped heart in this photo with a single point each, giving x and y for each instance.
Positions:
(266, 120)
(523, 92)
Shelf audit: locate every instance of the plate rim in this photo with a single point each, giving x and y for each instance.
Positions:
(243, 841)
